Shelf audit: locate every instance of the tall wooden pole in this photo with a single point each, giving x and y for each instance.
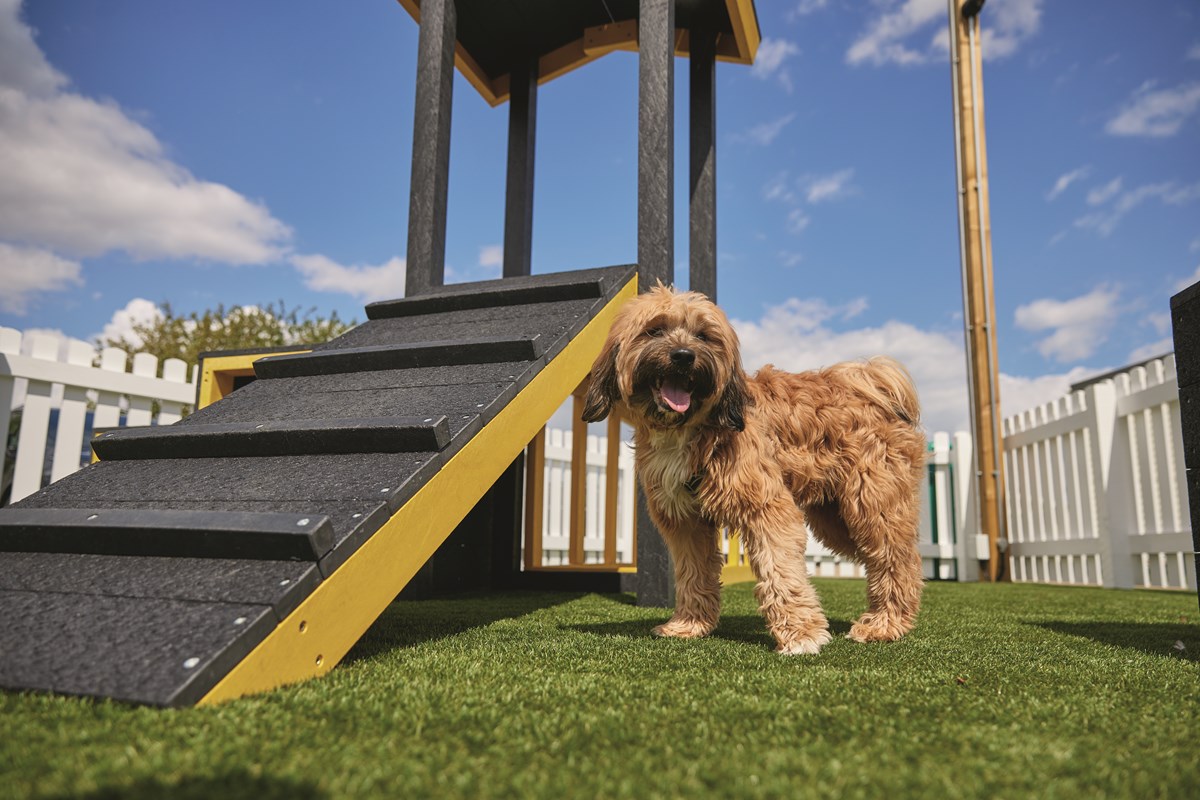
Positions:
(979, 305)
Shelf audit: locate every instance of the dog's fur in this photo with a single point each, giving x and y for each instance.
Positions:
(841, 448)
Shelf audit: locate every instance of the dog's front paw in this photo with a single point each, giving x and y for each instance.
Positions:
(683, 629)
(808, 645)
(878, 628)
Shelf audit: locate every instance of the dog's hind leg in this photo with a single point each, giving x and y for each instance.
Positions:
(698, 562)
(886, 539)
(775, 541)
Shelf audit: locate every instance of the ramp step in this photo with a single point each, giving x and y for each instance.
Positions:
(276, 438)
(465, 299)
(142, 650)
(403, 356)
(197, 534)
(278, 584)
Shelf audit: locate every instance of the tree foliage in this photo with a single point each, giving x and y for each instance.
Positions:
(186, 336)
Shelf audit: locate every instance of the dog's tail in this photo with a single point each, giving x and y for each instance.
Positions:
(887, 383)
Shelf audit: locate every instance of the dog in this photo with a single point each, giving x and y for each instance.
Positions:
(840, 448)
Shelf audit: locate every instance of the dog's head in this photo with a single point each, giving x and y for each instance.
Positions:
(671, 359)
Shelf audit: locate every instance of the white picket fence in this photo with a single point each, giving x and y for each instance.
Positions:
(1097, 491)
(556, 508)
(84, 391)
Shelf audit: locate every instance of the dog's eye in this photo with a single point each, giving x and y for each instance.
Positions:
(656, 332)
(702, 336)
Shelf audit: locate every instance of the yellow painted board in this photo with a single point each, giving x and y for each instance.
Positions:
(319, 633)
(216, 378)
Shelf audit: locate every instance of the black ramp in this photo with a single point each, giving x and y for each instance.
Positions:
(150, 575)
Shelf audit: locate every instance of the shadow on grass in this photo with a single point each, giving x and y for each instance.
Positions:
(407, 623)
(747, 629)
(1155, 638)
(232, 786)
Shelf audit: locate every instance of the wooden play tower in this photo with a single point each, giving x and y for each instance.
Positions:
(506, 50)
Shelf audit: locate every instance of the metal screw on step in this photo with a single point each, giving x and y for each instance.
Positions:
(93, 516)
(429, 420)
(256, 427)
(355, 516)
(285, 581)
(479, 405)
(303, 522)
(384, 490)
(240, 621)
(191, 663)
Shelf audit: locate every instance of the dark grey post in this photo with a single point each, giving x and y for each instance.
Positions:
(656, 130)
(518, 196)
(656, 235)
(1185, 327)
(431, 148)
(702, 129)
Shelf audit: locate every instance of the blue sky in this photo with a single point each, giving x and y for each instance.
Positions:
(241, 153)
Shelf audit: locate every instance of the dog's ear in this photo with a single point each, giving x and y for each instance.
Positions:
(603, 391)
(729, 412)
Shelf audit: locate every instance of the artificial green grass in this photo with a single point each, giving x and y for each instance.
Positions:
(1005, 691)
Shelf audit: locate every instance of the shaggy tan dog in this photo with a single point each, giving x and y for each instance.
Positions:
(840, 447)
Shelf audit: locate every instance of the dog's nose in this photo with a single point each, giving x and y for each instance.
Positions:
(682, 357)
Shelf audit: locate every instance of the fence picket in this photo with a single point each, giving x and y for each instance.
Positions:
(72, 416)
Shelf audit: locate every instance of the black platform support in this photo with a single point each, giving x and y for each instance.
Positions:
(656, 235)
(431, 147)
(1185, 325)
(522, 144)
(656, 131)
(702, 131)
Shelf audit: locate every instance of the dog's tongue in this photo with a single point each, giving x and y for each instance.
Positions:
(676, 397)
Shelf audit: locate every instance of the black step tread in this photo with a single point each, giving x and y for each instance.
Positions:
(318, 481)
(276, 437)
(503, 293)
(477, 350)
(552, 324)
(159, 532)
(280, 401)
(145, 650)
(278, 584)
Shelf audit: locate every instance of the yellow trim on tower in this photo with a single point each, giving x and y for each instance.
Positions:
(319, 633)
(217, 373)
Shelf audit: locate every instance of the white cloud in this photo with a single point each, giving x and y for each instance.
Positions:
(778, 188)
(799, 335)
(1019, 394)
(1077, 327)
(1193, 53)
(797, 220)
(830, 187)
(1104, 193)
(790, 258)
(26, 272)
(491, 255)
(138, 311)
(1152, 350)
(805, 7)
(365, 281)
(888, 37)
(1157, 113)
(1105, 221)
(1066, 180)
(764, 133)
(1186, 282)
(81, 177)
(772, 54)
